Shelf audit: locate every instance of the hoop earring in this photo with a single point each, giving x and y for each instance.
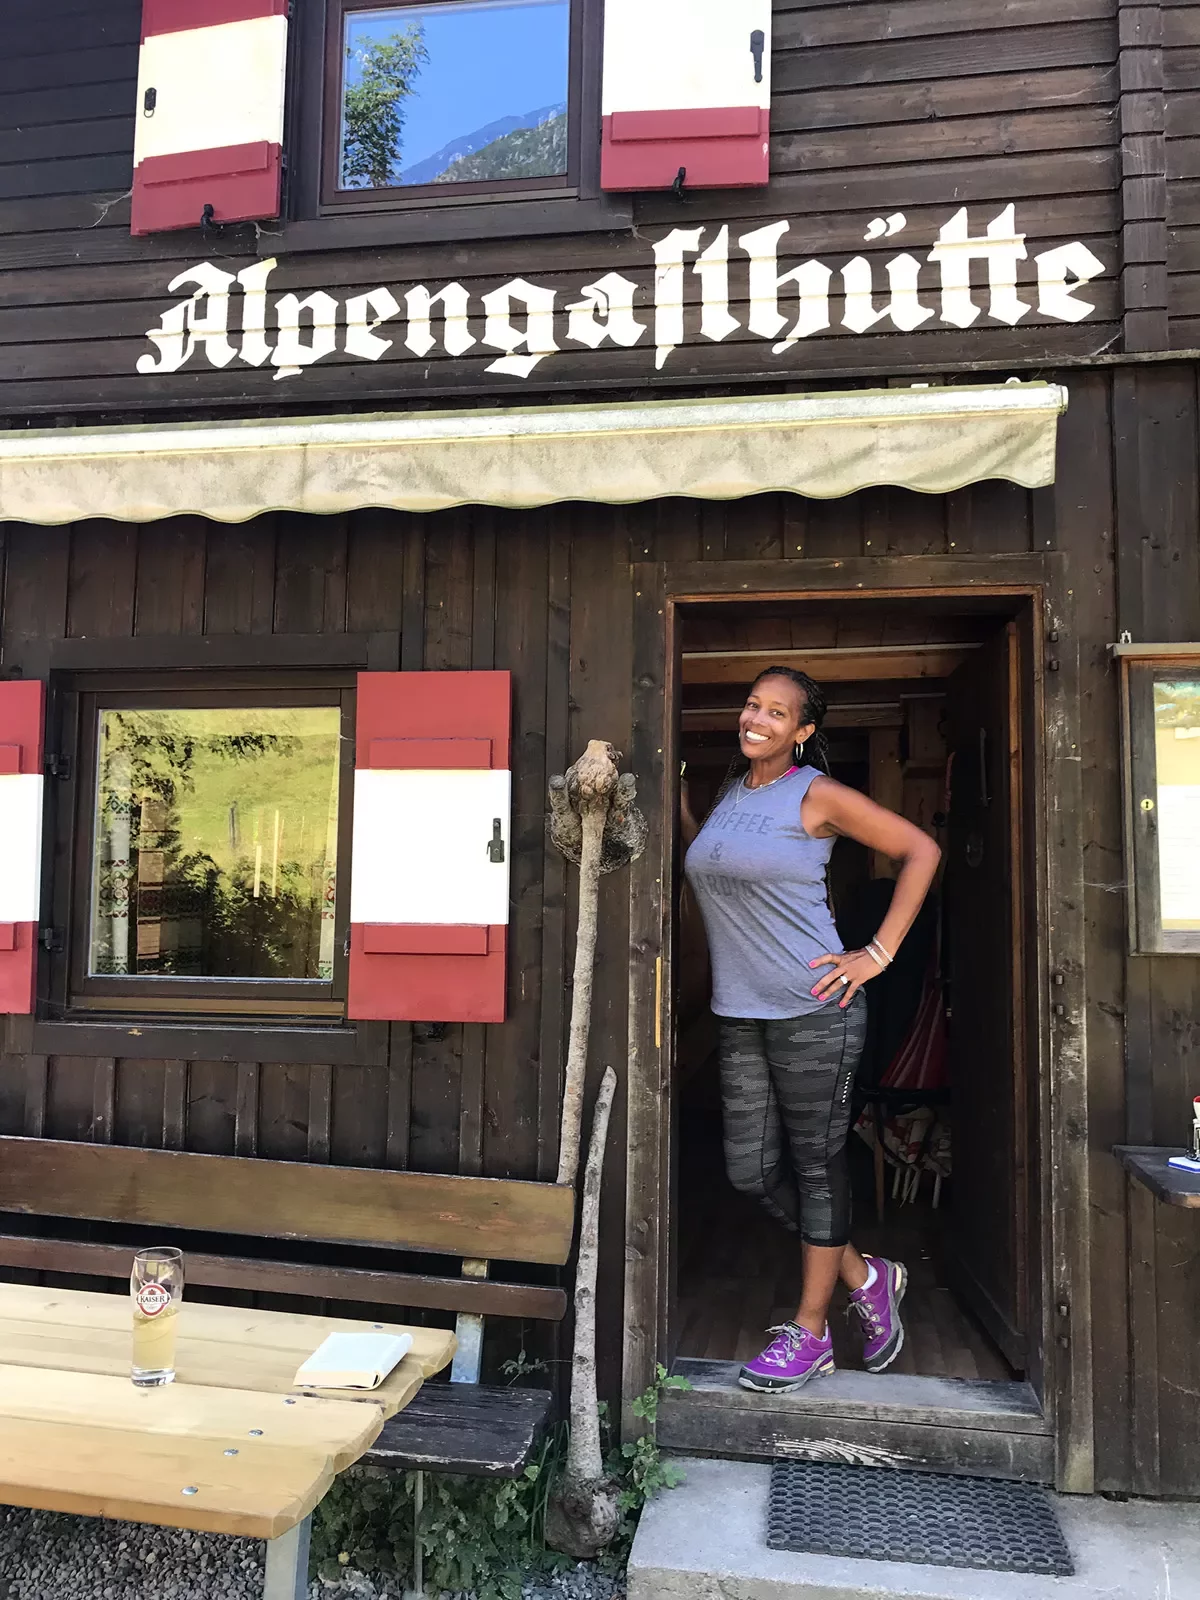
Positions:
(799, 752)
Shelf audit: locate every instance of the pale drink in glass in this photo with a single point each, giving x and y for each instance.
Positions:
(156, 1289)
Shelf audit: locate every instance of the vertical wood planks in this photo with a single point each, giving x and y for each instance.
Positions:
(245, 1124)
(1158, 561)
(601, 676)
(102, 586)
(36, 1088)
(1085, 518)
(437, 1104)
(650, 987)
(239, 589)
(210, 1111)
(515, 1064)
(320, 1113)
(482, 658)
(369, 1105)
(170, 563)
(310, 574)
(175, 1100)
(554, 1002)
(36, 577)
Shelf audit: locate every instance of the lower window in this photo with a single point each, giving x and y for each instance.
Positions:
(209, 850)
(1161, 714)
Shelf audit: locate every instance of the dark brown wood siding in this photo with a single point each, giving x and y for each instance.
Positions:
(1180, 57)
(879, 110)
(548, 595)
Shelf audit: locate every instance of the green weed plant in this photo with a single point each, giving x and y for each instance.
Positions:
(482, 1536)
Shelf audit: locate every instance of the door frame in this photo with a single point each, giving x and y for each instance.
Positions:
(1057, 1044)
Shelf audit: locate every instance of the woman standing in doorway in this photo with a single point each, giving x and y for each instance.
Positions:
(792, 1019)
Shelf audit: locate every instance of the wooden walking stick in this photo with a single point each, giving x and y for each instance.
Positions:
(594, 821)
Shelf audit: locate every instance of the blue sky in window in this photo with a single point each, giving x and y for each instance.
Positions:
(489, 60)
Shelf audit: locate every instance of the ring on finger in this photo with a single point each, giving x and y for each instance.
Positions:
(844, 978)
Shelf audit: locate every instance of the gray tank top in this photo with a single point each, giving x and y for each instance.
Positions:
(759, 879)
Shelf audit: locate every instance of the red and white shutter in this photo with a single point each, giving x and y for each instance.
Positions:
(429, 874)
(687, 83)
(209, 126)
(22, 710)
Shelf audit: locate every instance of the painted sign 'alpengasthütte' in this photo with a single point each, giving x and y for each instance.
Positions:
(526, 324)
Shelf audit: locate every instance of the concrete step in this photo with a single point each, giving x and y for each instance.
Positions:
(706, 1540)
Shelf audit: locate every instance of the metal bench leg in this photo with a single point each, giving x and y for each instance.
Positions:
(287, 1564)
(468, 1331)
(417, 1592)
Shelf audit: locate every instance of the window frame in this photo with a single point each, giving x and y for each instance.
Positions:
(314, 219)
(335, 200)
(1142, 666)
(74, 995)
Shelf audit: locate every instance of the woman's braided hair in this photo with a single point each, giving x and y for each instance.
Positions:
(816, 749)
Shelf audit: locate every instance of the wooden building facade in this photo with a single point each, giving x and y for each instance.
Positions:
(954, 200)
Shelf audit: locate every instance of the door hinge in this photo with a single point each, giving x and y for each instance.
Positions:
(1058, 980)
(58, 766)
(495, 848)
(51, 939)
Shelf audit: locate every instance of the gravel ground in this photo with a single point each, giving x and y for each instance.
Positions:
(49, 1557)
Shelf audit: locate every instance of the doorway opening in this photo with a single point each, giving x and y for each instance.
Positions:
(931, 714)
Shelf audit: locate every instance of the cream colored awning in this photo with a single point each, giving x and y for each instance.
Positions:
(822, 445)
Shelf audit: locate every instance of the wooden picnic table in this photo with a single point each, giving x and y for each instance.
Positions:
(232, 1446)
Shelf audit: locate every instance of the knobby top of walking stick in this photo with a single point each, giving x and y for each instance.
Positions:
(592, 784)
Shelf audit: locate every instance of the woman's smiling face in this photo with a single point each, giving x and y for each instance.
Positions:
(773, 720)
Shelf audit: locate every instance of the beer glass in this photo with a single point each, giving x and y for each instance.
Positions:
(156, 1289)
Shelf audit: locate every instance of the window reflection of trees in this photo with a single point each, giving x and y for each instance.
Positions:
(195, 879)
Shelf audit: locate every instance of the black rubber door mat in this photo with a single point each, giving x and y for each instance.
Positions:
(878, 1514)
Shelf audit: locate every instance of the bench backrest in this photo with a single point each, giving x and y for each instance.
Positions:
(489, 1218)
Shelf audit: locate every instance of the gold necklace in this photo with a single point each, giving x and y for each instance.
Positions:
(744, 788)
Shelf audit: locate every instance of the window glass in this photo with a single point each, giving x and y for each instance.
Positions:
(216, 843)
(469, 91)
(1177, 761)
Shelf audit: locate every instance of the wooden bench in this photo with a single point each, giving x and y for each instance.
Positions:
(456, 1428)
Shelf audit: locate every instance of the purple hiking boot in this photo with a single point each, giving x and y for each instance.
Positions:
(793, 1357)
(879, 1309)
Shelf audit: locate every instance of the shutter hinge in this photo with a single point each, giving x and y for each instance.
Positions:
(58, 766)
(495, 848)
(51, 939)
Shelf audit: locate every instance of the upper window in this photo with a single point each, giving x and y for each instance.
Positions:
(1162, 731)
(451, 98)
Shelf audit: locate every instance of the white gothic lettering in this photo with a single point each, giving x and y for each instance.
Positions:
(755, 281)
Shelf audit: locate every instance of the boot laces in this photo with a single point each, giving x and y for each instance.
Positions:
(869, 1314)
(784, 1346)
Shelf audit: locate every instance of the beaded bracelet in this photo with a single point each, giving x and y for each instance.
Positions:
(883, 950)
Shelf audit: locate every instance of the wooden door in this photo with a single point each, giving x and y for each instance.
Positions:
(983, 958)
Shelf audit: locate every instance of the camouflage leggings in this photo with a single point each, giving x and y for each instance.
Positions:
(785, 1091)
